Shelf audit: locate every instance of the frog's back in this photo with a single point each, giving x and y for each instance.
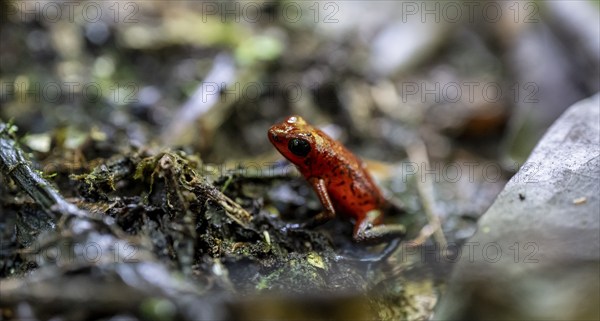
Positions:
(349, 185)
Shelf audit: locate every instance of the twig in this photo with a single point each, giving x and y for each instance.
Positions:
(232, 209)
(15, 165)
(417, 152)
(206, 97)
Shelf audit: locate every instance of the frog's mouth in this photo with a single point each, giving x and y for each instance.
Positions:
(278, 140)
(273, 137)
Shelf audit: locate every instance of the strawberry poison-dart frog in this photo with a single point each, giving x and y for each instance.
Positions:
(339, 178)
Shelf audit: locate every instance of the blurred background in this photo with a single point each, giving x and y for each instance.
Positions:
(479, 82)
(489, 75)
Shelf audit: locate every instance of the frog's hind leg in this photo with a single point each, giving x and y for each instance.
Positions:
(367, 232)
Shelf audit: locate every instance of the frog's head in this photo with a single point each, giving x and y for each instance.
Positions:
(297, 141)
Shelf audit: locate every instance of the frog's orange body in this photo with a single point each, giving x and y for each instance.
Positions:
(339, 178)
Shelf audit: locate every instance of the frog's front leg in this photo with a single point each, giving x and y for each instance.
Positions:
(328, 212)
(367, 231)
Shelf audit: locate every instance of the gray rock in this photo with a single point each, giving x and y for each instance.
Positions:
(536, 253)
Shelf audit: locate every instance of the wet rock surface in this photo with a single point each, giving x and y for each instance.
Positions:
(536, 251)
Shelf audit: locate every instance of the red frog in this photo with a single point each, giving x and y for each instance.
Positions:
(339, 178)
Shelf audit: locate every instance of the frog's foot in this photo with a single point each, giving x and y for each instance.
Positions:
(389, 249)
(367, 231)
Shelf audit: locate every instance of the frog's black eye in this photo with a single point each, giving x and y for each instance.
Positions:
(299, 147)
